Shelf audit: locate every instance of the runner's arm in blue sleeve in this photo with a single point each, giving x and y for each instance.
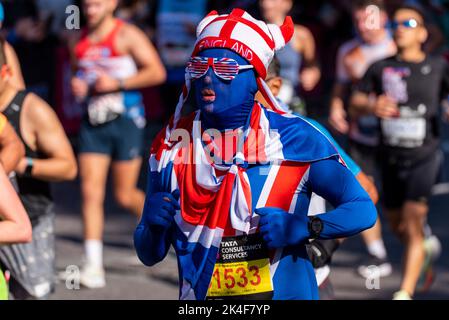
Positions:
(354, 211)
(152, 237)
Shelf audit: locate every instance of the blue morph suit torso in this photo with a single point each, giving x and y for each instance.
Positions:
(292, 275)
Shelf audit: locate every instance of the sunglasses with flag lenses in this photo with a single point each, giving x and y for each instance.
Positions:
(224, 68)
(409, 24)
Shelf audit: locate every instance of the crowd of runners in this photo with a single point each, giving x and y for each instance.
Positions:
(372, 76)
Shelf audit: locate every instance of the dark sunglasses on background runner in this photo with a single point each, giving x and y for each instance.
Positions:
(409, 24)
(224, 68)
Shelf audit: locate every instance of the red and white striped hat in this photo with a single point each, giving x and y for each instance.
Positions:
(252, 39)
(238, 31)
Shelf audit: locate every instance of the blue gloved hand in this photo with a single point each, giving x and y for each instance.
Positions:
(160, 209)
(280, 229)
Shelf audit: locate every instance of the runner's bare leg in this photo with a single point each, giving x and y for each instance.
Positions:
(93, 171)
(414, 214)
(126, 175)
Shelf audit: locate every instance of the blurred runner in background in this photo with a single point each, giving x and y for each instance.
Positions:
(298, 58)
(48, 157)
(15, 226)
(373, 42)
(112, 60)
(405, 92)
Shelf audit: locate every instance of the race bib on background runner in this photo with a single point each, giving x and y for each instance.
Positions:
(242, 270)
(105, 108)
(407, 131)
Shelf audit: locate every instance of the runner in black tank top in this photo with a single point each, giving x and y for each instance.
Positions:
(32, 265)
(35, 194)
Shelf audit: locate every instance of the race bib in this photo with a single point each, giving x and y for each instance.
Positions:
(404, 132)
(242, 270)
(105, 108)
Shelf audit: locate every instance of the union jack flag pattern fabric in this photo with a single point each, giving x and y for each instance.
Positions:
(270, 168)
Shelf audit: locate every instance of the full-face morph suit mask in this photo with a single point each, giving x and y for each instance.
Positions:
(225, 104)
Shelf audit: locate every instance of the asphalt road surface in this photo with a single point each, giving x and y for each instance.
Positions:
(128, 279)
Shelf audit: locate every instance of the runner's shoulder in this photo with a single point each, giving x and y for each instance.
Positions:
(37, 110)
(129, 37)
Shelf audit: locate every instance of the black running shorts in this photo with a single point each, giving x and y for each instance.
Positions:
(406, 180)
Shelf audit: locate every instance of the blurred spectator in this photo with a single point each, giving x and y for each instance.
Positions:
(440, 12)
(53, 12)
(29, 34)
(175, 23)
(226, 6)
(298, 61)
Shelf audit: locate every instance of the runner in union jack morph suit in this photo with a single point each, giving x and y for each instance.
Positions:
(230, 184)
